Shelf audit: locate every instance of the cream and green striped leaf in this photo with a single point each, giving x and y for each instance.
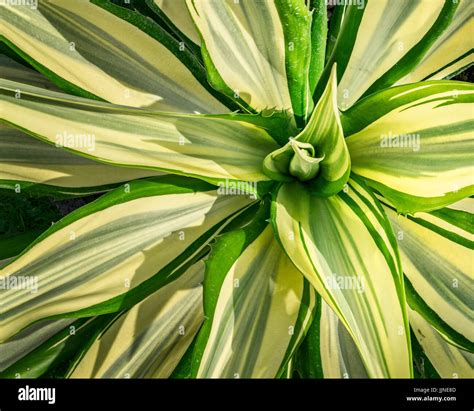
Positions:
(436, 253)
(414, 143)
(149, 340)
(113, 252)
(257, 307)
(448, 360)
(324, 132)
(451, 53)
(345, 247)
(228, 149)
(53, 350)
(31, 166)
(119, 66)
(26, 342)
(340, 357)
(381, 41)
(328, 350)
(244, 50)
(14, 71)
(335, 24)
(177, 13)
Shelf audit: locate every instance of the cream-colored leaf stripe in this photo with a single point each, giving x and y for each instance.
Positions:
(211, 147)
(439, 268)
(344, 246)
(340, 357)
(448, 360)
(105, 254)
(13, 71)
(256, 312)
(418, 153)
(104, 55)
(149, 340)
(245, 42)
(451, 52)
(29, 339)
(388, 30)
(324, 132)
(177, 12)
(25, 159)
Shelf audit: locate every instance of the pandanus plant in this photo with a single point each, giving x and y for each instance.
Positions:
(277, 198)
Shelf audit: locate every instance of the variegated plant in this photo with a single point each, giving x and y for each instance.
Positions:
(351, 152)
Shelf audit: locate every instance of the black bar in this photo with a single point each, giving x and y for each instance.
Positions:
(455, 394)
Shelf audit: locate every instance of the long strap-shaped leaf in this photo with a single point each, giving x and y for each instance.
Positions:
(257, 307)
(150, 339)
(177, 12)
(328, 350)
(436, 253)
(28, 165)
(90, 52)
(27, 341)
(210, 147)
(324, 132)
(99, 258)
(414, 143)
(14, 71)
(244, 50)
(377, 35)
(296, 22)
(340, 357)
(345, 247)
(452, 51)
(449, 360)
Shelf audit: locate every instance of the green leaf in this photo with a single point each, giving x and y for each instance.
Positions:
(175, 13)
(435, 254)
(414, 143)
(26, 343)
(335, 24)
(452, 52)
(257, 306)
(244, 50)
(15, 71)
(120, 66)
(319, 38)
(296, 22)
(185, 51)
(122, 246)
(51, 350)
(307, 358)
(448, 360)
(29, 166)
(324, 132)
(412, 59)
(149, 340)
(229, 150)
(345, 247)
(340, 357)
(372, 54)
(422, 366)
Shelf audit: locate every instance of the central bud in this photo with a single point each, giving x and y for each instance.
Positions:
(318, 155)
(295, 160)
